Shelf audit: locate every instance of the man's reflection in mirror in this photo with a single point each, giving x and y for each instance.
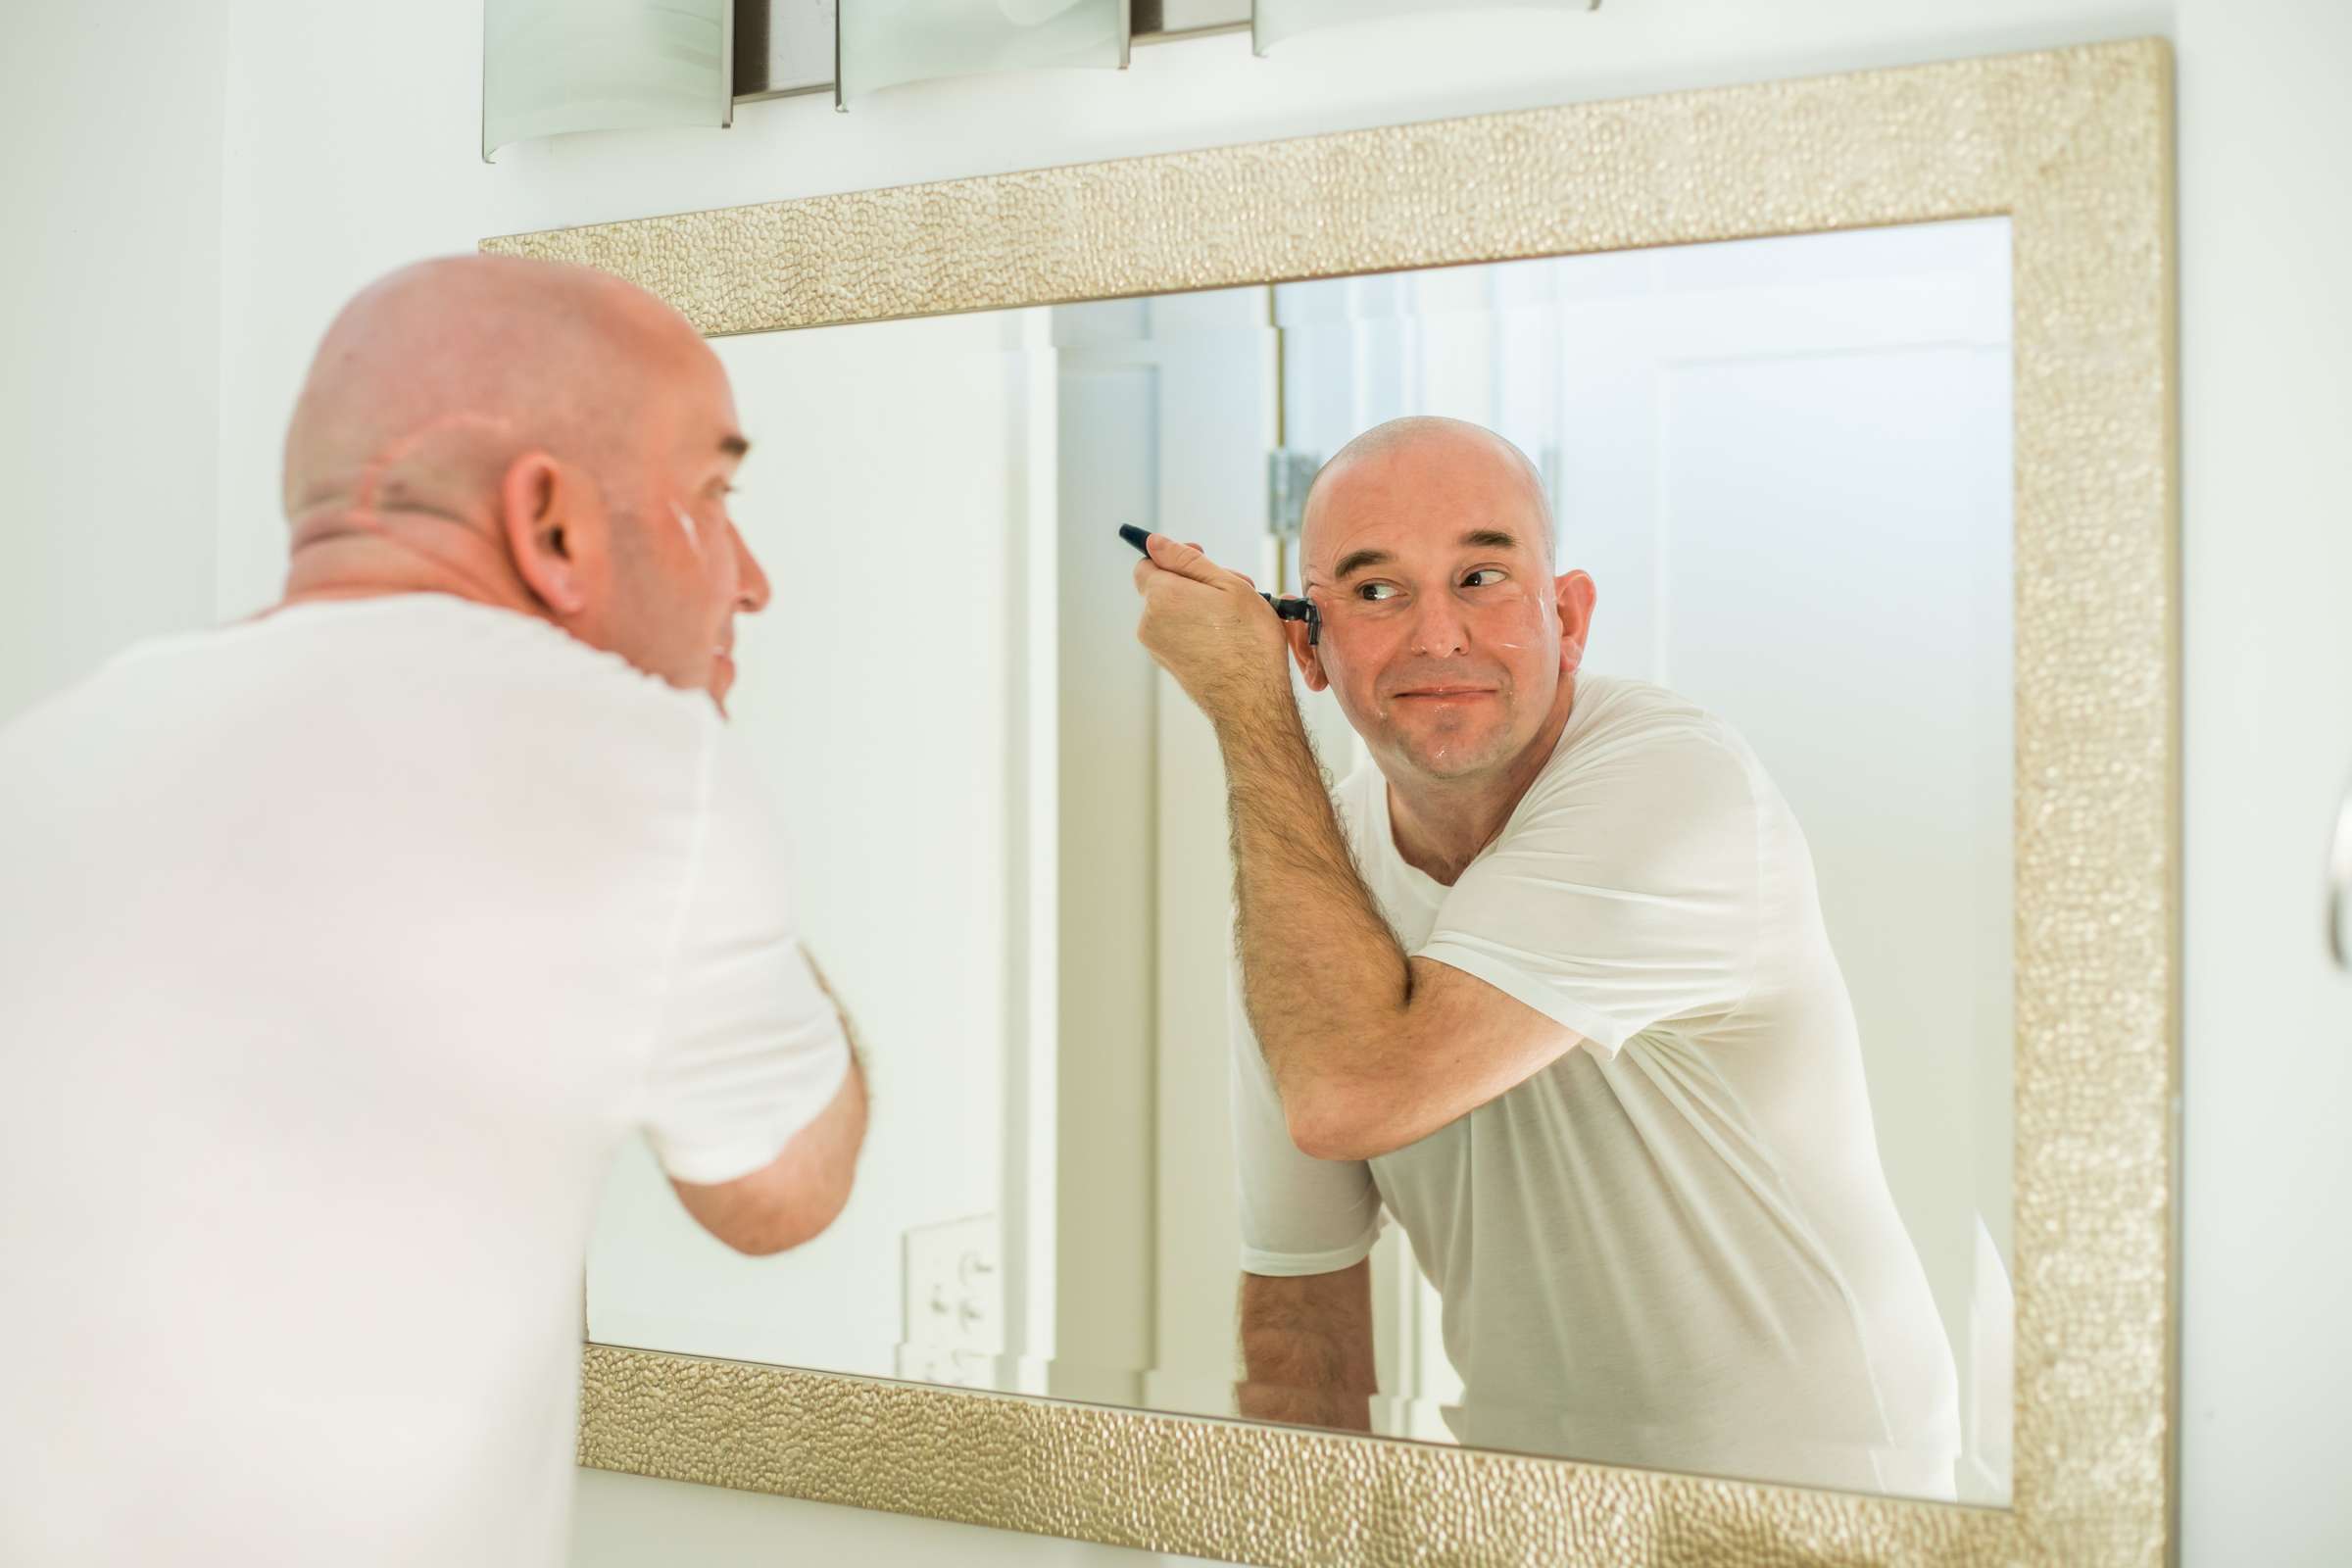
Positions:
(1545, 981)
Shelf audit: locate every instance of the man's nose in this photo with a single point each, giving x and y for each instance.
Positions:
(751, 589)
(1440, 628)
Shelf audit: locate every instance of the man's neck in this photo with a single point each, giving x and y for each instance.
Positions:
(399, 553)
(1441, 825)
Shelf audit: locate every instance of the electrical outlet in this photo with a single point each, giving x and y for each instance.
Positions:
(953, 1302)
(958, 1369)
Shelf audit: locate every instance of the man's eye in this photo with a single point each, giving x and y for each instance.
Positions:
(1375, 593)
(1492, 574)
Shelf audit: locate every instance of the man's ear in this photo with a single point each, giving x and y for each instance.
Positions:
(1308, 656)
(555, 531)
(1574, 592)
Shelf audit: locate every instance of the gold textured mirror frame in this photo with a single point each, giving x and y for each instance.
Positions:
(2075, 148)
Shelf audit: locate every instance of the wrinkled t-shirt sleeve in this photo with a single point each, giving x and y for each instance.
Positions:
(1299, 1215)
(1624, 894)
(749, 1048)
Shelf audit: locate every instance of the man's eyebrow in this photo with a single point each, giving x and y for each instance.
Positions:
(734, 446)
(1477, 539)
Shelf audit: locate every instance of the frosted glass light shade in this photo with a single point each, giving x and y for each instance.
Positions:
(553, 66)
(783, 48)
(886, 42)
(1271, 22)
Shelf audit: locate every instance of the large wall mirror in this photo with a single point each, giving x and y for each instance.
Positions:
(1869, 458)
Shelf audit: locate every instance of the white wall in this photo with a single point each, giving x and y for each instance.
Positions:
(1105, 1221)
(348, 135)
(110, 312)
(630, 1522)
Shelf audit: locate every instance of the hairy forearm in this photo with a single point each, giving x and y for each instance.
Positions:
(1306, 1348)
(1326, 985)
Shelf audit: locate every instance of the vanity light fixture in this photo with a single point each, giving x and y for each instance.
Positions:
(883, 43)
(553, 66)
(1273, 22)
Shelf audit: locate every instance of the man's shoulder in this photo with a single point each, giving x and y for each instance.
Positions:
(427, 667)
(1617, 715)
(1641, 742)
(501, 666)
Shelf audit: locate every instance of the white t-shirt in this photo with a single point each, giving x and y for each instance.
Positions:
(1675, 1245)
(338, 952)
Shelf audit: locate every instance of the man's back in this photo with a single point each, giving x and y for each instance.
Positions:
(337, 951)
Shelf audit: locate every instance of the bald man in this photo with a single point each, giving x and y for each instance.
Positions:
(340, 951)
(1548, 982)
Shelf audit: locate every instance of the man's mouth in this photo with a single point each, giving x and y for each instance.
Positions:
(1448, 693)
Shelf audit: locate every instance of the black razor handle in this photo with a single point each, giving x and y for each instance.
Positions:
(1286, 609)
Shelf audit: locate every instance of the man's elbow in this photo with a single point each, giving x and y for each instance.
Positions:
(771, 1238)
(1327, 1121)
(804, 1190)
(762, 1244)
(788, 1204)
(789, 1225)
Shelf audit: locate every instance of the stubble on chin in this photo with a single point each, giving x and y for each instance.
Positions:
(1449, 755)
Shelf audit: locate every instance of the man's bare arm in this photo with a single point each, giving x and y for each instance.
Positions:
(1306, 1348)
(794, 1197)
(1370, 1050)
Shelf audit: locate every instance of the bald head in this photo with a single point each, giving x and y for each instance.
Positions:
(1423, 442)
(538, 437)
(433, 378)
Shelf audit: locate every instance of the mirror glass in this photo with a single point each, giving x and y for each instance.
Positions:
(1762, 1244)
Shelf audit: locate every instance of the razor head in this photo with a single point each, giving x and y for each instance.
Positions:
(1299, 609)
